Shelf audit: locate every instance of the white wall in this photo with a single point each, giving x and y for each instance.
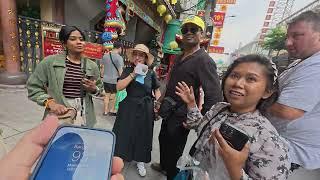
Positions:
(80, 12)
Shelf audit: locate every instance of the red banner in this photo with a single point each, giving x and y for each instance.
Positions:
(52, 45)
(226, 2)
(216, 49)
(218, 18)
(93, 51)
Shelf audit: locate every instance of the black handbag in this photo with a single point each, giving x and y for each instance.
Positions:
(167, 107)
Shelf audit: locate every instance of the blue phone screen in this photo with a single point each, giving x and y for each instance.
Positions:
(75, 153)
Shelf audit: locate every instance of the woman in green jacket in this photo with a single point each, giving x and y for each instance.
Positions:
(67, 80)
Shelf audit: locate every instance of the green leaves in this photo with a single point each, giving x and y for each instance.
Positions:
(275, 39)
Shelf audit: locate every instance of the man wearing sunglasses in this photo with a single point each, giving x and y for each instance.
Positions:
(196, 68)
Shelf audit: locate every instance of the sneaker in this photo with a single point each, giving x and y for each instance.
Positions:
(157, 167)
(141, 169)
(112, 114)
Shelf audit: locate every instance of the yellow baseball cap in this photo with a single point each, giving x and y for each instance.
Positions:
(194, 20)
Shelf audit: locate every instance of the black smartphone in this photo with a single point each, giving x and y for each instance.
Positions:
(76, 153)
(90, 77)
(234, 136)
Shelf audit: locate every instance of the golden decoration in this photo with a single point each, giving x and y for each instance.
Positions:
(161, 9)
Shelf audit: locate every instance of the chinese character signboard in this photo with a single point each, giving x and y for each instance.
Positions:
(52, 45)
(93, 51)
(218, 18)
(226, 2)
(216, 49)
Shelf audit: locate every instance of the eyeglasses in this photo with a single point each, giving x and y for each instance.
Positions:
(193, 30)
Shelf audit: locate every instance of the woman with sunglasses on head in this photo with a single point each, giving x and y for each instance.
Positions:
(135, 119)
(68, 80)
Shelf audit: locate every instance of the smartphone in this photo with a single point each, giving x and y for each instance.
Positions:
(234, 136)
(76, 153)
(90, 77)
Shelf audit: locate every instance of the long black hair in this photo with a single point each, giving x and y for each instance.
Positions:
(271, 74)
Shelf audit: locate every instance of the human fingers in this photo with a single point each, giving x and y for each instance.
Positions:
(117, 177)
(117, 165)
(185, 85)
(29, 148)
(179, 89)
(191, 90)
(222, 142)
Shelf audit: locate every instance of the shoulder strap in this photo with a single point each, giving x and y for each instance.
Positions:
(193, 148)
(82, 93)
(113, 63)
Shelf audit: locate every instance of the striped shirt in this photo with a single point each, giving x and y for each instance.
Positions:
(72, 80)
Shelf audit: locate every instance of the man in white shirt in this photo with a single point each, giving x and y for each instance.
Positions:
(296, 115)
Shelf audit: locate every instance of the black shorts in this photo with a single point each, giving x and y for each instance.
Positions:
(110, 88)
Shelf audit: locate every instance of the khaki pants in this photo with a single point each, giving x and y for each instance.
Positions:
(109, 102)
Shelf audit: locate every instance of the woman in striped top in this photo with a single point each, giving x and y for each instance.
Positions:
(67, 80)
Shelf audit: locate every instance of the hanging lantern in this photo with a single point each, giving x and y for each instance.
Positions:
(168, 18)
(173, 2)
(153, 1)
(161, 9)
(173, 45)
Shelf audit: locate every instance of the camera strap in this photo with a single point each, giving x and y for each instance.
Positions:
(193, 148)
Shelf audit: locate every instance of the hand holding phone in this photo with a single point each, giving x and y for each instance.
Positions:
(234, 136)
(77, 153)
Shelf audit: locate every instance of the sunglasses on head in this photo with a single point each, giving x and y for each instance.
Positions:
(193, 30)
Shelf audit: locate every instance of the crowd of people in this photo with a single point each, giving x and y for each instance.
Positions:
(278, 113)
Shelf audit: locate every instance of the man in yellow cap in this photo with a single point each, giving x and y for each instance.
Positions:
(196, 68)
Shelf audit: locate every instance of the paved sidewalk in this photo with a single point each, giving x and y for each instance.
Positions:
(18, 115)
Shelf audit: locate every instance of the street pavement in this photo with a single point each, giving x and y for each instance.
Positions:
(18, 115)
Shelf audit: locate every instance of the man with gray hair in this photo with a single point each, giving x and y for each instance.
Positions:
(296, 114)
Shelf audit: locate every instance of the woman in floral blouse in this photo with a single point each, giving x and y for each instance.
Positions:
(249, 87)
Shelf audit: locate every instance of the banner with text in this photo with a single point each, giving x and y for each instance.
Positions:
(216, 49)
(226, 2)
(52, 45)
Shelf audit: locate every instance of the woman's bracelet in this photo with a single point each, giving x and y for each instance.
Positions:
(46, 103)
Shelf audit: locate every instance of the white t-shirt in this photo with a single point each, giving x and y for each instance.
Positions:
(300, 88)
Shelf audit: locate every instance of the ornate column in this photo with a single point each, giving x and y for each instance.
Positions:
(12, 75)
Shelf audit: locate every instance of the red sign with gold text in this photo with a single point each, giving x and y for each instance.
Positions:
(93, 51)
(52, 45)
(218, 18)
(216, 49)
(226, 1)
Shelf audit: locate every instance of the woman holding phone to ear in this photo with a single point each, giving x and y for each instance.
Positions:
(60, 82)
(134, 123)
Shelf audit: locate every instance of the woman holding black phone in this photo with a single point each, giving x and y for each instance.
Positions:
(66, 82)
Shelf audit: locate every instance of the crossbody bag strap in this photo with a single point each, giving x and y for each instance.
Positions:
(193, 148)
(81, 88)
(114, 63)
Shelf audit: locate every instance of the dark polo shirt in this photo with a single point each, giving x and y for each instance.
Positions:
(196, 70)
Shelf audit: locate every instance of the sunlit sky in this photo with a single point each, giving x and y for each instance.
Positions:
(248, 22)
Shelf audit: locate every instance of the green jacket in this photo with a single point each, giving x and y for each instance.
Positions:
(48, 78)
